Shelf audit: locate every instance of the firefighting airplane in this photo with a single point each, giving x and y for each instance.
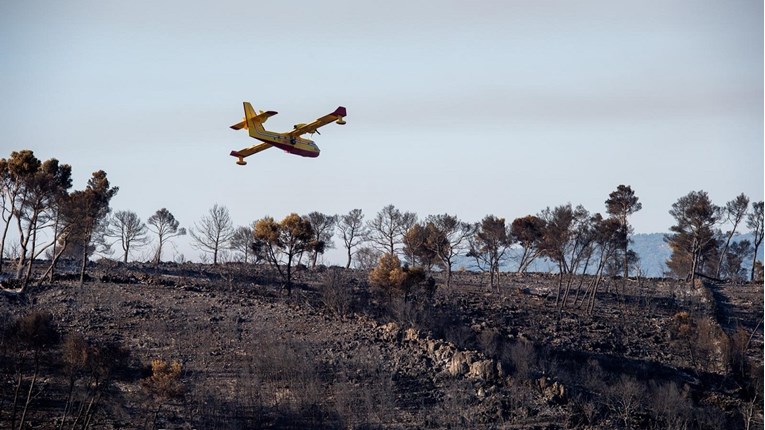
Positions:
(290, 142)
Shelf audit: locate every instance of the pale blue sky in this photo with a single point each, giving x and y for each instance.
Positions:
(469, 108)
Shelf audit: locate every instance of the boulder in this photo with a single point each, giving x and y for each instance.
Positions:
(552, 391)
(432, 345)
(443, 352)
(411, 334)
(460, 363)
(483, 370)
(390, 331)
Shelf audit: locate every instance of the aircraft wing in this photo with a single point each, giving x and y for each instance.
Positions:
(338, 114)
(254, 149)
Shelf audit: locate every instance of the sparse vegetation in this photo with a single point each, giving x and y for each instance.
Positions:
(387, 229)
(164, 384)
(386, 345)
(489, 246)
(165, 226)
(282, 243)
(213, 233)
(127, 229)
(336, 355)
(352, 230)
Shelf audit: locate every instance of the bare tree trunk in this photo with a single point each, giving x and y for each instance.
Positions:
(55, 235)
(28, 273)
(53, 263)
(23, 243)
(694, 266)
(754, 256)
(156, 415)
(289, 276)
(626, 260)
(158, 255)
(29, 395)
(448, 273)
(569, 281)
(16, 398)
(83, 264)
(68, 403)
(314, 257)
(585, 295)
(2, 242)
(560, 285)
(86, 412)
(91, 409)
(492, 275)
(749, 411)
(599, 276)
(754, 264)
(522, 261)
(79, 415)
(695, 259)
(578, 289)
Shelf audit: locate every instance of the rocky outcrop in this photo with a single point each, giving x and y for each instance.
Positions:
(460, 362)
(552, 391)
(445, 356)
(483, 370)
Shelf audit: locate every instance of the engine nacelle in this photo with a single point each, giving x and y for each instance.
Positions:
(296, 126)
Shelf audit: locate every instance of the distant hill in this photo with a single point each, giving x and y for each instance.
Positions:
(651, 248)
(653, 252)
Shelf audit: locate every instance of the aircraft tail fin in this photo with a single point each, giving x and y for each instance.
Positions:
(253, 122)
(250, 118)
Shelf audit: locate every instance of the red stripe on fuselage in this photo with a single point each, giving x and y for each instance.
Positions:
(294, 150)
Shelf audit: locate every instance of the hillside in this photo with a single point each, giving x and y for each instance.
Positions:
(337, 355)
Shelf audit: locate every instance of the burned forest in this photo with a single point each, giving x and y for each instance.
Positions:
(432, 322)
(202, 346)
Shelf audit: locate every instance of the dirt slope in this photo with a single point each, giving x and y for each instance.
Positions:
(254, 358)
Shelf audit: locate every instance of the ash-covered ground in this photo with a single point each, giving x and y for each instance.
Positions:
(200, 346)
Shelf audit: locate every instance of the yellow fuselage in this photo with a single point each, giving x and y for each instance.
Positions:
(291, 144)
